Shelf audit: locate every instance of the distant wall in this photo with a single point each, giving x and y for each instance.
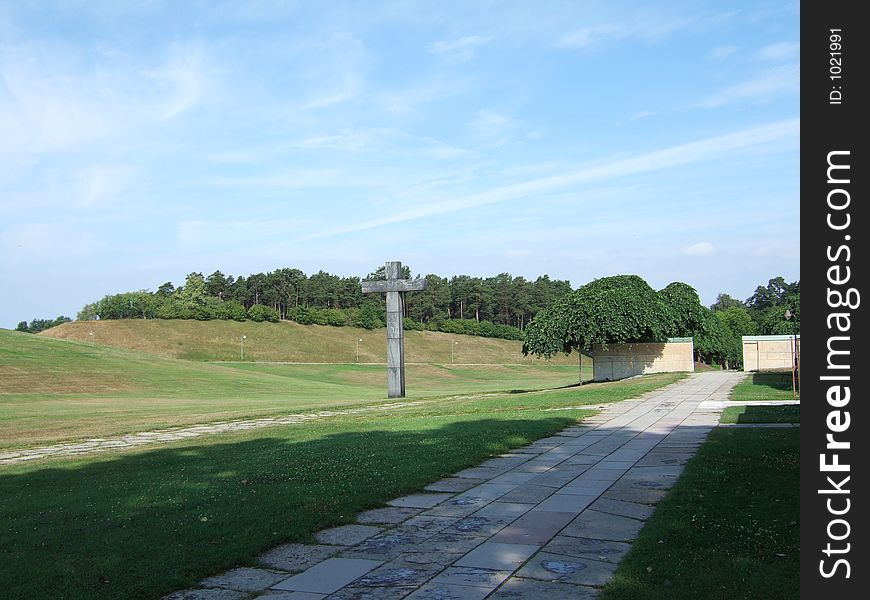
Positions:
(763, 352)
(627, 360)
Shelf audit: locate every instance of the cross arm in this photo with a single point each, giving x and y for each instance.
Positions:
(394, 285)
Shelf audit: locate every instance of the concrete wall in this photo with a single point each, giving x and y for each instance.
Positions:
(627, 360)
(763, 352)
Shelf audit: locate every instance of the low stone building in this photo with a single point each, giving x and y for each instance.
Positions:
(767, 352)
(627, 360)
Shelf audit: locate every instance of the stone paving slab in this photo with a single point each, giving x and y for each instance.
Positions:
(603, 550)
(329, 576)
(453, 484)
(528, 493)
(535, 527)
(473, 576)
(244, 579)
(206, 594)
(386, 546)
(547, 522)
(420, 500)
(389, 515)
(278, 595)
(346, 535)
(443, 591)
(297, 557)
(498, 556)
(518, 588)
(568, 569)
(622, 508)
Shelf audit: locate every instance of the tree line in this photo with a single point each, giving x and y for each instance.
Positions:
(502, 306)
(625, 309)
(499, 306)
(37, 325)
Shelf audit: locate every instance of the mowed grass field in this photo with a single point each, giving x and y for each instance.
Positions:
(766, 385)
(291, 342)
(53, 390)
(146, 521)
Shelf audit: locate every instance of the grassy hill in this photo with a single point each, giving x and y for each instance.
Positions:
(52, 390)
(290, 342)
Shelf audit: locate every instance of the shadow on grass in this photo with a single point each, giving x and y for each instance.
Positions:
(777, 380)
(769, 414)
(142, 525)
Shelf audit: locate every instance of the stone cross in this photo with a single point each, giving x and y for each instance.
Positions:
(395, 333)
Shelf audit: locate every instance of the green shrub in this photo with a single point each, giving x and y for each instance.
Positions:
(231, 310)
(412, 325)
(260, 313)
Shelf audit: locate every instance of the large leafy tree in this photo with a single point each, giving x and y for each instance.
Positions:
(611, 310)
(685, 308)
(724, 302)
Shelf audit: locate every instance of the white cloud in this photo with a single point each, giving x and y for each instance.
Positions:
(699, 249)
(181, 79)
(765, 136)
(779, 52)
(493, 127)
(588, 37)
(775, 82)
(461, 48)
(99, 184)
(52, 98)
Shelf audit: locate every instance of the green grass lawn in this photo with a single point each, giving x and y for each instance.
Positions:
(56, 390)
(761, 414)
(291, 342)
(727, 530)
(766, 385)
(142, 523)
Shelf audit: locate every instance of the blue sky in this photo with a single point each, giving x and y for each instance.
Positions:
(142, 141)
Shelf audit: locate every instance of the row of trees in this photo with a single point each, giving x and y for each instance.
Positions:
(624, 309)
(37, 325)
(502, 300)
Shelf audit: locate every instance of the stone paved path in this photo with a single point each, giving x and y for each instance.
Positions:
(548, 521)
(163, 436)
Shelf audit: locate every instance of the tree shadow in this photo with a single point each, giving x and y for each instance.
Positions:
(139, 525)
(777, 380)
(769, 414)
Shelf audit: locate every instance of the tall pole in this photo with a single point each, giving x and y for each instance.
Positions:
(242, 347)
(580, 360)
(357, 348)
(788, 316)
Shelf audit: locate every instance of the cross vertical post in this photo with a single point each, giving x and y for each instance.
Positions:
(393, 286)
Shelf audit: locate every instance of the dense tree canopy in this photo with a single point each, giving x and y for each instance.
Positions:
(37, 325)
(611, 310)
(626, 309)
(499, 306)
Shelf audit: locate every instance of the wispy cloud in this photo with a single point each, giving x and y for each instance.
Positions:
(675, 156)
(460, 48)
(52, 98)
(699, 249)
(586, 38)
(763, 87)
(779, 52)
